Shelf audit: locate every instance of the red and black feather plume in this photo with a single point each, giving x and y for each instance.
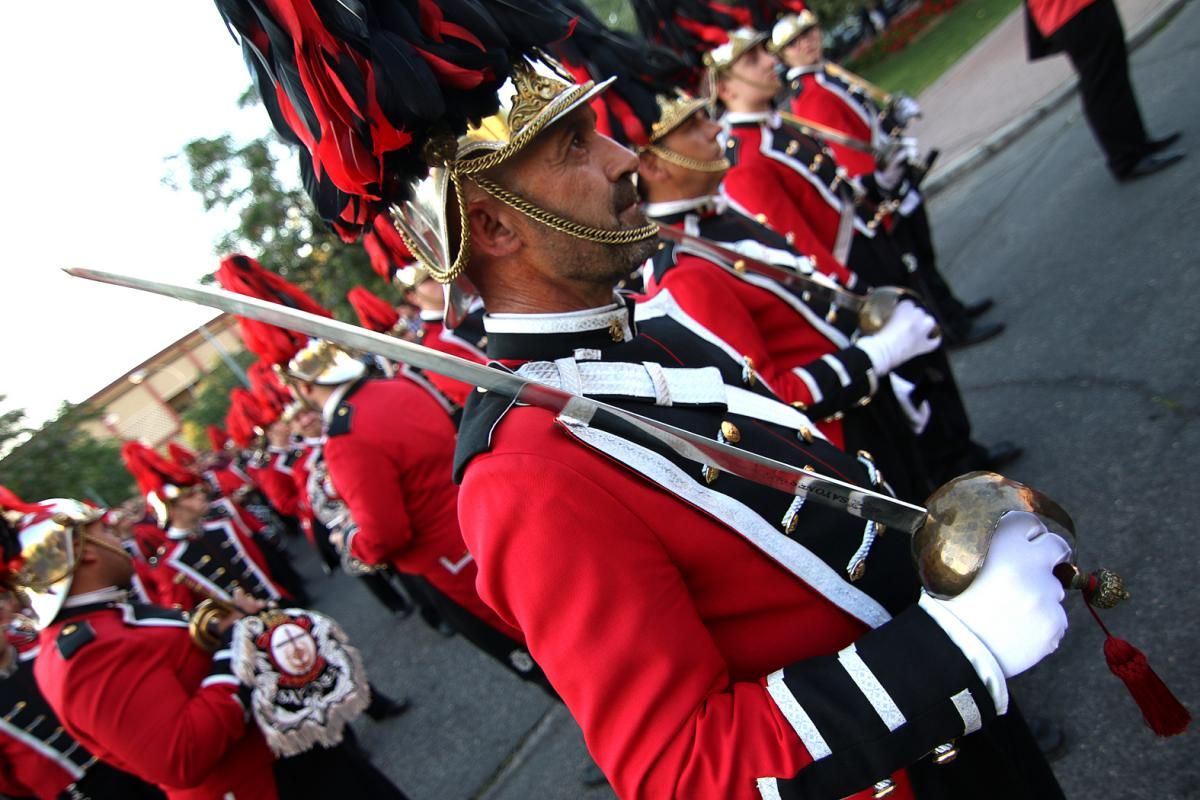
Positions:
(244, 275)
(361, 84)
(374, 313)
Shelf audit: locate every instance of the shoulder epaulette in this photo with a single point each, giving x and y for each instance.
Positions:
(73, 636)
(732, 148)
(340, 424)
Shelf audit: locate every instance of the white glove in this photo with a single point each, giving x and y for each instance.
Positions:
(903, 152)
(1014, 605)
(917, 413)
(905, 335)
(905, 109)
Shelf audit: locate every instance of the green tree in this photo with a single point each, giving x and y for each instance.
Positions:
(258, 182)
(11, 427)
(62, 460)
(212, 401)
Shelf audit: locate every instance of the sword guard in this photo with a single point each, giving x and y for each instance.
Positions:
(880, 303)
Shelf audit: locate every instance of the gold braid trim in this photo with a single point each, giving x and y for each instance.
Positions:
(670, 156)
(599, 235)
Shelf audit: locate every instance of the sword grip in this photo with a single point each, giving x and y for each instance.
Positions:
(1102, 588)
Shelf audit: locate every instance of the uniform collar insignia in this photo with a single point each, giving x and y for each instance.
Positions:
(544, 336)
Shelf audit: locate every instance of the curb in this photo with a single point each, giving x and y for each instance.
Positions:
(1005, 136)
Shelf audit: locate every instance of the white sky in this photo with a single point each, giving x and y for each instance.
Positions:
(95, 97)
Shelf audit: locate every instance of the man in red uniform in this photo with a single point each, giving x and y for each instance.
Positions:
(396, 483)
(1090, 33)
(713, 638)
(37, 757)
(823, 93)
(131, 685)
(804, 355)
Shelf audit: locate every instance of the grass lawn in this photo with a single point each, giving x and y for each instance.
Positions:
(939, 46)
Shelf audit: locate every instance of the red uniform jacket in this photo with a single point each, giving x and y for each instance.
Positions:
(276, 480)
(395, 477)
(130, 685)
(1050, 15)
(700, 658)
(789, 179)
(801, 356)
(817, 97)
(30, 765)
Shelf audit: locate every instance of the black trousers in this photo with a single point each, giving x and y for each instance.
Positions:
(1095, 42)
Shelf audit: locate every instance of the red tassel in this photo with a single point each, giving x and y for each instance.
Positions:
(1162, 711)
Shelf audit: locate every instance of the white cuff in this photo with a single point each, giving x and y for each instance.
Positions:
(972, 648)
(877, 352)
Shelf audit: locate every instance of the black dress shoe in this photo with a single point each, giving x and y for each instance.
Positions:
(1001, 453)
(973, 333)
(1158, 145)
(383, 707)
(979, 308)
(1150, 164)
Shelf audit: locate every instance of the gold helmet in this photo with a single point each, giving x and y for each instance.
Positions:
(44, 551)
(538, 93)
(673, 111)
(741, 41)
(789, 27)
(324, 363)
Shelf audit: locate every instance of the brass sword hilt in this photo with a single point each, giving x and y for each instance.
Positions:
(961, 519)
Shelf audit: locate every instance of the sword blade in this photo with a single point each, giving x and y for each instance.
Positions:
(818, 285)
(855, 500)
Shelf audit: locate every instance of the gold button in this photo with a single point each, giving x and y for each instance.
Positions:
(616, 331)
(944, 753)
(884, 788)
(761, 219)
(792, 522)
(792, 148)
(730, 144)
(806, 434)
(710, 474)
(789, 237)
(343, 411)
(856, 573)
(739, 265)
(730, 432)
(482, 343)
(68, 630)
(799, 405)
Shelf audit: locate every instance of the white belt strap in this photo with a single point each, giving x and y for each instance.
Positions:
(665, 386)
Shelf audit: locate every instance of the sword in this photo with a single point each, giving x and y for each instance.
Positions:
(948, 557)
(873, 309)
(856, 500)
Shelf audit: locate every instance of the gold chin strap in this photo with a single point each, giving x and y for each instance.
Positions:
(537, 214)
(109, 546)
(670, 156)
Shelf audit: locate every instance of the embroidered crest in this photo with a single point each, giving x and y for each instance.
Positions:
(308, 682)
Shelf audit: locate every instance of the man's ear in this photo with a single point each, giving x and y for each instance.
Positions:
(650, 166)
(725, 90)
(492, 229)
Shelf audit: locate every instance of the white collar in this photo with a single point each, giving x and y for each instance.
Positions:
(768, 117)
(335, 400)
(796, 72)
(109, 594)
(715, 202)
(178, 534)
(432, 316)
(590, 319)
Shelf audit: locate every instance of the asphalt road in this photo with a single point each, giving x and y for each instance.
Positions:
(1098, 376)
